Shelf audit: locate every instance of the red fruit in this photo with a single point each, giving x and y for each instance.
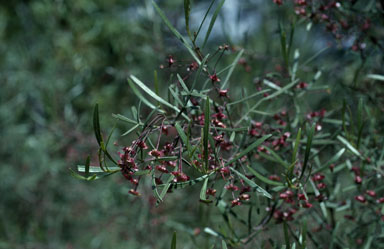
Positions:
(155, 153)
(360, 198)
(318, 177)
(223, 93)
(302, 85)
(134, 192)
(162, 169)
(244, 197)
(307, 205)
(211, 191)
(214, 78)
(332, 167)
(371, 193)
(236, 202)
(380, 200)
(301, 197)
(358, 179)
(278, 2)
(321, 185)
(142, 145)
(232, 187)
(274, 178)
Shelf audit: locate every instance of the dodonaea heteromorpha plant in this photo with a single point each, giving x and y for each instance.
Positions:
(307, 169)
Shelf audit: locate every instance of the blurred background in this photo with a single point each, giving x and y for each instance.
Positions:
(61, 57)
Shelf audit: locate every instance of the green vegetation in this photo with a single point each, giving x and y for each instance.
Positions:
(240, 124)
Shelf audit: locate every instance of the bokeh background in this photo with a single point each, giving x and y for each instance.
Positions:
(61, 57)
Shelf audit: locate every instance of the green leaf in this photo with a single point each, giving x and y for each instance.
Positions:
(296, 148)
(96, 125)
(182, 83)
(155, 190)
(223, 245)
(303, 235)
(283, 43)
(213, 20)
(96, 169)
(248, 149)
(211, 232)
(155, 96)
(92, 177)
(165, 189)
(252, 183)
(263, 178)
(376, 77)
(233, 65)
(175, 96)
(248, 97)
(206, 131)
(203, 191)
(99, 137)
(349, 146)
(87, 162)
(310, 133)
(282, 90)
(201, 67)
(130, 130)
(360, 121)
(187, 10)
(125, 119)
(173, 244)
(275, 94)
(332, 160)
(286, 235)
(276, 157)
(141, 97)
(204, 18)
(182, 134)
(175, 32)
(370, 238)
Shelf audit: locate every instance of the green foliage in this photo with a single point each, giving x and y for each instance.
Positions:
(60, 58)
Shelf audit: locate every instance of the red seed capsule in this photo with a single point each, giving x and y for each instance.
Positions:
(371, 193)
(134, 192)
(360, 198)
(358, 180)
(307, 205)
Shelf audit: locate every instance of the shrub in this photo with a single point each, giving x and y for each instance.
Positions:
(281, 160)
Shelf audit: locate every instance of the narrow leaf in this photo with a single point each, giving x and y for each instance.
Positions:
(130, 130)
(310, 133)
(252, 183)
(213, 20)
(376, 77)
(155, 96)
(173, 244)
(332, 160)
(96, 124)
(182, 83)
(206, 131)
(349, 146)
(223, 245)
(296, 148)
(141, 97)
(248, 149)
(203, 191)
(175, 32)
(125, 119)
(233, 65)
(87, 162)
(263, 178)
(187, 10)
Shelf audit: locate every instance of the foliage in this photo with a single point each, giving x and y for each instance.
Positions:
(274, 135)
